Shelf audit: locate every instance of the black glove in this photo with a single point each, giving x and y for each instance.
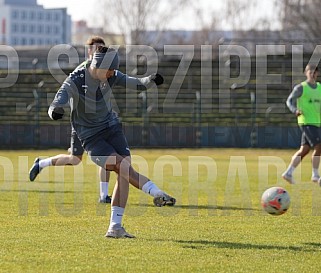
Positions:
(157, 78)
(58, 113)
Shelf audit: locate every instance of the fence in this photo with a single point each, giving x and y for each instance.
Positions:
(197, 106)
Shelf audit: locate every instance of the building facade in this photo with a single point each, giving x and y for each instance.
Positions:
(24, 22)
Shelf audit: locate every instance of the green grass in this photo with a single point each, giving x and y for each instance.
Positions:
(56, 225)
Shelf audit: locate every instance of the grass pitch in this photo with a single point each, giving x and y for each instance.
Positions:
(55, 224)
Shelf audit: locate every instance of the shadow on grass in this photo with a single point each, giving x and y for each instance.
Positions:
(40, 191)
(198, 207)
(198, 244)
(316, 245)
(213, 207)
(36, 182)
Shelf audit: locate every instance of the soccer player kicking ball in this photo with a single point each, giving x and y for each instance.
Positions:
(76, 150)
(88, 93)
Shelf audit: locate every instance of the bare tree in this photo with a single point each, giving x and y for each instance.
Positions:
(302, 15)
(208, 20)
(240, 14)
(133, 17)
(251, 14)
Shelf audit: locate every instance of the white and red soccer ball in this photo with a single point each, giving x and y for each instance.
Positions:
(275, 200)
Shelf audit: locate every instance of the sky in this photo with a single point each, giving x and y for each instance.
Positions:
(78, 9)
(81, 10)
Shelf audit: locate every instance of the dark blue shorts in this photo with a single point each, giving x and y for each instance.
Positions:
(108, 142)
(75, 145)
(310, 135)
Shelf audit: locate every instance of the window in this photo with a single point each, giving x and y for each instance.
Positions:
(48, 29)
(48, 16)
(14, 40)
(24, 15)
(23, 41)
(40, 42)
(40, 16)
(14, 28)
(57, 16)
(56, 29)
(31, 28)
(23, 28)
(40, 29)
(31, 15)
(15, 14)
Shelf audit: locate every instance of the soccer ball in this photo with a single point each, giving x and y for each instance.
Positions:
(275, 200)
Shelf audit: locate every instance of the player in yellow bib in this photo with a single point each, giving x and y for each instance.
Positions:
(305, 102)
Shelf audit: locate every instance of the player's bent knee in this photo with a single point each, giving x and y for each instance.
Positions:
(121, 165)
(75, 160)
(111, 168)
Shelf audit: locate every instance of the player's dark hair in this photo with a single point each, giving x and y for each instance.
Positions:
(311, 67)
(95, 40)
(103, 49)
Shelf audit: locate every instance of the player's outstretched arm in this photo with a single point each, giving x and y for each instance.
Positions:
(157, 78)
(138, 83)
